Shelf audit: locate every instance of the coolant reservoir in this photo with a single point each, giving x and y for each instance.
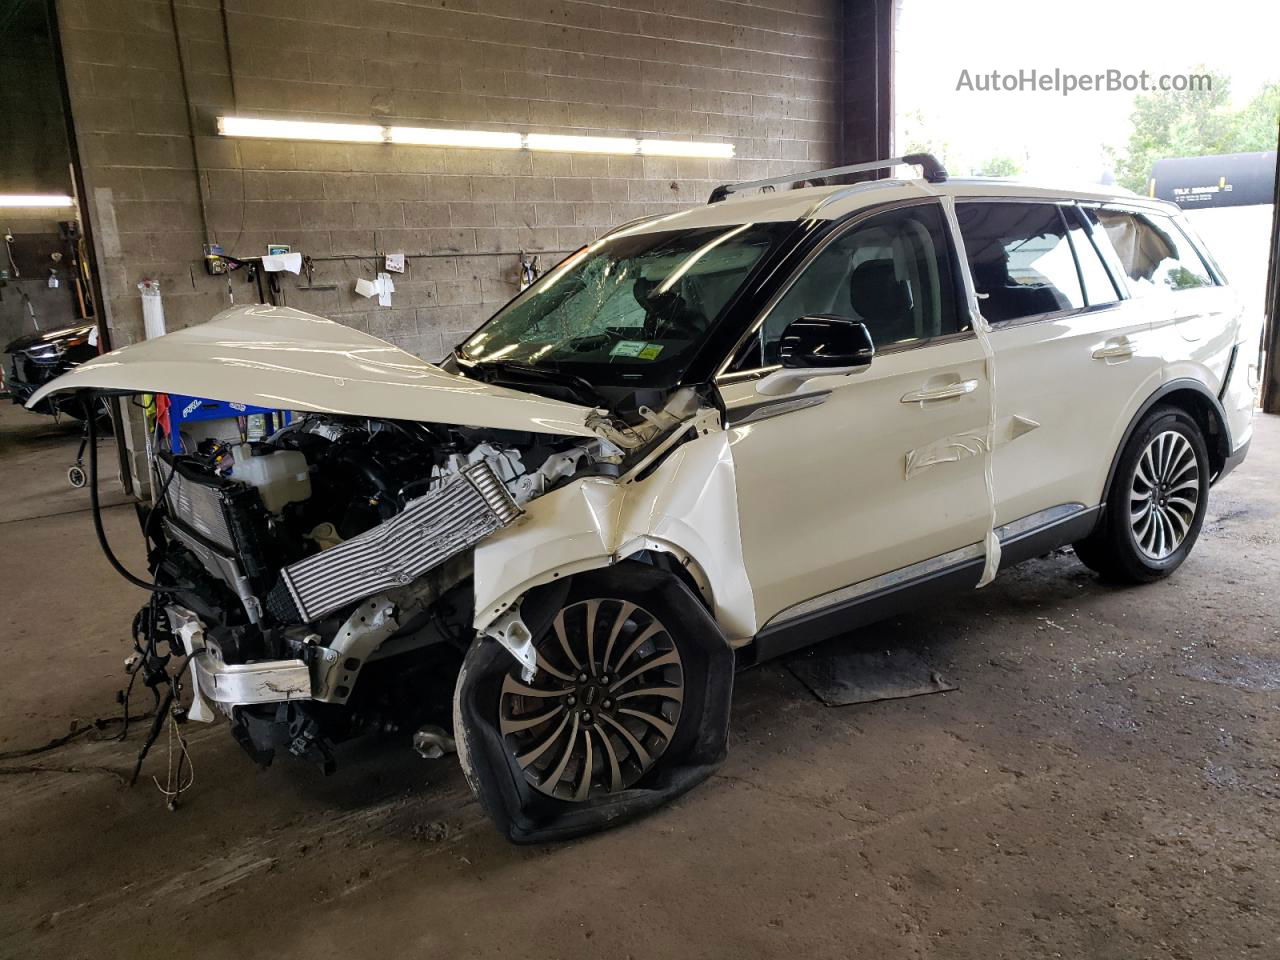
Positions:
(280, 476)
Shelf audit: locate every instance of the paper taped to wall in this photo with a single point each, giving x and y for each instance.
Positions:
(382, 288)
(274, 263)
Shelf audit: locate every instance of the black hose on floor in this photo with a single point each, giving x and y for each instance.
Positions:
(96, 510)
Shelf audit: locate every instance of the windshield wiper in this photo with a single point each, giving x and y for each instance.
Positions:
(580, 389)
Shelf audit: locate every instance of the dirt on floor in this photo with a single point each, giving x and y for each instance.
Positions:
(1105, 783)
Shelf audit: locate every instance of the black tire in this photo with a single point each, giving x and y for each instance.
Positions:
(1148, 529)
(531, 802)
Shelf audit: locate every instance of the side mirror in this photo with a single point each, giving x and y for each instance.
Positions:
(818, 346)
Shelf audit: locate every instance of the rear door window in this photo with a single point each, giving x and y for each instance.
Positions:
(1155, 256)
(1020, 259)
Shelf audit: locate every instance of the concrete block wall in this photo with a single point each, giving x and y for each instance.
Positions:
(762, 74)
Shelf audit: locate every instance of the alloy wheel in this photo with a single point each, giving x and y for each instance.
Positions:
(1164, 495)
(603, 706)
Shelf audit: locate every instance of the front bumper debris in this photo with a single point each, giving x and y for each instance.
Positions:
(227, 685)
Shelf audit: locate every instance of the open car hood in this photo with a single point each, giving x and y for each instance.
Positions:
(282, 358)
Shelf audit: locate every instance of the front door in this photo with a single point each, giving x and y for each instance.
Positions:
(852, 477)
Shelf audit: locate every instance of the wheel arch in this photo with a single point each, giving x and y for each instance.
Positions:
(647, 551)
(1199, 402)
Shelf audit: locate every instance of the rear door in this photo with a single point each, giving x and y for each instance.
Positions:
(1074, 356)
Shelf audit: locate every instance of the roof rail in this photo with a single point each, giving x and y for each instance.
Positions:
(933, 171)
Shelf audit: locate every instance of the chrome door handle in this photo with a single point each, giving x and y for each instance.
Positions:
(949, 392)
(1118, 349)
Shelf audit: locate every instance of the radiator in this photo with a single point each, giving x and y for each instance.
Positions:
(200, 506)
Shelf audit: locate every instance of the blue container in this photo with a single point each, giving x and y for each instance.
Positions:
(183, 410)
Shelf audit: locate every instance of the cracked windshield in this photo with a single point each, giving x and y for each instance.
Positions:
(632, 308)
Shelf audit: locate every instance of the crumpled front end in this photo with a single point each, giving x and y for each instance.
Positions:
(327, 581)
(321, 580)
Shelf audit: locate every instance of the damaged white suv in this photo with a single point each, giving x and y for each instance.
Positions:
(704, 440)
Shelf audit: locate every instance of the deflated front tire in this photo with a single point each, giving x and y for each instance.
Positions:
(629, 707)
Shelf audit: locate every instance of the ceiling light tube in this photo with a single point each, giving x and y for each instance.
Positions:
(482, 139)
(35, 200)
(686, 148)
(300, 130)
(431, 137)
(561, 143)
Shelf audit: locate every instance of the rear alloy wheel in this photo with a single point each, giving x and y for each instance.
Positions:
(1164, 495)
(1156, 503)
(603, 706)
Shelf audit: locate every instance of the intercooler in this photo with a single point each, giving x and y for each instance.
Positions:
(463, 510)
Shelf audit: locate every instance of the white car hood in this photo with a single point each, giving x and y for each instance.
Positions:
(283, 358)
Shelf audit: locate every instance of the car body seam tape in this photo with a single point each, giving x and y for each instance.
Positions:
(982, 330)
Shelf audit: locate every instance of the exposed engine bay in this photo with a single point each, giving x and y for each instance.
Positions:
(339, 550)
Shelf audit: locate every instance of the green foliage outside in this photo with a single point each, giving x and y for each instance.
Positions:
(1000, 166)
(1194, 123)
(919, 133)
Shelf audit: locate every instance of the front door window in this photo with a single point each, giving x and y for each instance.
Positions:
(892, 271)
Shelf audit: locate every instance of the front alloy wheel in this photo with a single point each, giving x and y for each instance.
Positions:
(603, 706)
(629, 706)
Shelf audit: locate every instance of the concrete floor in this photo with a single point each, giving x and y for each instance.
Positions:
(1105, 783)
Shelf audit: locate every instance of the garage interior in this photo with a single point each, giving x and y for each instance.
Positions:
(1103, 782)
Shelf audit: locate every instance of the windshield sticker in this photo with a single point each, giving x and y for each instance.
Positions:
(636, 348)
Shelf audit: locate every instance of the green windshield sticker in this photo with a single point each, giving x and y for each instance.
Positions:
(650, 352)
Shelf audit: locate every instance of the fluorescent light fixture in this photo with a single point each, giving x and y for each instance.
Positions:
(431, 137)
(35, 200)
(482, 139)
(686, 148)
(300, 130)
(561, 143)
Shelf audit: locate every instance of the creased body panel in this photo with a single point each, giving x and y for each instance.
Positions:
(1240, 395)
(283, 358)
(687, 507)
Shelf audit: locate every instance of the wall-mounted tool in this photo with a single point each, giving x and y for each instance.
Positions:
(8, 249)
(215, 264)
(530, 270)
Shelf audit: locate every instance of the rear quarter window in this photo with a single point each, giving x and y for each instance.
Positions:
(1154, 254)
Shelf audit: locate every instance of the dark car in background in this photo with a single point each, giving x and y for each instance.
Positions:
(33, 360)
